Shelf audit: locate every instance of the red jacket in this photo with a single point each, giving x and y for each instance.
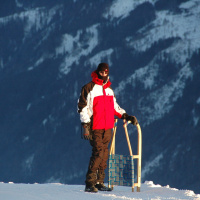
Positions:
(97, 100)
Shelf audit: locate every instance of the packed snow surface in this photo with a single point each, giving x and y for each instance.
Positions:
(57, 191)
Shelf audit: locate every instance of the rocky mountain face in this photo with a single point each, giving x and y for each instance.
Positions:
(48, 50)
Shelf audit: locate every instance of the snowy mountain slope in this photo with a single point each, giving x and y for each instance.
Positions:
(166, 25)
(60, 191)
(121, 9)
(48, 50)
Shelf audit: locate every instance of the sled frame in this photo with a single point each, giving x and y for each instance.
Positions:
(138, 156)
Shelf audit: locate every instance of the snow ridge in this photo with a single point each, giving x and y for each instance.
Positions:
(121, 9)
(74, 47)
(36, 18)
(168, 25)
(149, 190)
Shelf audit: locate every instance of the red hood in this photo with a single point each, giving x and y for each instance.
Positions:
(98, 81)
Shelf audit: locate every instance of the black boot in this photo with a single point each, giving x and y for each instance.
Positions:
(102, 187)
(91, 189)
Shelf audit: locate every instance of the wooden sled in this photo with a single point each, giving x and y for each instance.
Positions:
(121, 168)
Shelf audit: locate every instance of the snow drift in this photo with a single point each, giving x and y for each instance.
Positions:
(149, 190)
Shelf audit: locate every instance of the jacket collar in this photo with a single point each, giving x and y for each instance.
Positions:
(98, 81)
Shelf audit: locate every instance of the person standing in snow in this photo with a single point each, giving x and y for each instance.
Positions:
(97, 107)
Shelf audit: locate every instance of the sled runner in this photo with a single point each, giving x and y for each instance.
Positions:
(121, 168)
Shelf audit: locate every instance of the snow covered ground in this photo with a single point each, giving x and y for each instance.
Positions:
(57, 191)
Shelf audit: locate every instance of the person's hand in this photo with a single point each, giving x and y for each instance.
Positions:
(127, 117)
(133, 120)
(86, 131)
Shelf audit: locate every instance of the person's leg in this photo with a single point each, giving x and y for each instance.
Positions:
(103, 165)
(96, 158)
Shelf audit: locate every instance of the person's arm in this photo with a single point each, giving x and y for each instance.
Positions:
(121, 113)
(83, 106)
(118, 110)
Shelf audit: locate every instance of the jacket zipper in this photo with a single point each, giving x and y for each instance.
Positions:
(104, 94)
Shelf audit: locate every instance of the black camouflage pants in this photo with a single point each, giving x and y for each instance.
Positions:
(98, 160)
